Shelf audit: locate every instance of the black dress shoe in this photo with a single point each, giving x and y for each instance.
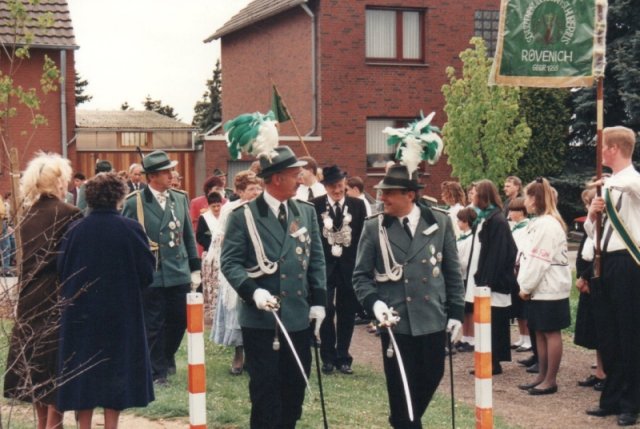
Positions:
(327, 368)
(160, 382)
(548, 391)
(600, 412)
(528, 361)
(627, 419)
(523, 349)
(533, 369)
(346, 369)
(528, 385)
(599, 386)
(590, 381)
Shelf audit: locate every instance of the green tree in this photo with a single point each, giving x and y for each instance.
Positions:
(208, 110)
(622, 74)
(485, 134)
(157, 106)
(81, 84)
(548, 114)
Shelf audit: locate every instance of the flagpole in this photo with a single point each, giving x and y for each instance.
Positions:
(293, 122)
(599, 145)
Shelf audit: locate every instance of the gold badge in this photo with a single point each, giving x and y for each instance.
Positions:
(436, 271)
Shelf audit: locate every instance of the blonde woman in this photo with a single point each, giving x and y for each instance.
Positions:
(31, 362)
(545, 280)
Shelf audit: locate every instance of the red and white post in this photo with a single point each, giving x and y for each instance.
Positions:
(482, 357)
(195, 350)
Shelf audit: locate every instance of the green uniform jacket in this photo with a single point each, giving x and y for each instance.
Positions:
(171, 229)
(430, 290)
(299, 281)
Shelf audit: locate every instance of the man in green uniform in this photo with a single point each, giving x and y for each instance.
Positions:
(407, 260)
(272, 249)
(164, 215)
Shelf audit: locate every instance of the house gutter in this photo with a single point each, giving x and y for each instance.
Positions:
(63, 102)
(314, 90)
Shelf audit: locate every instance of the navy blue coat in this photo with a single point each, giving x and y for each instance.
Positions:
(104, 264)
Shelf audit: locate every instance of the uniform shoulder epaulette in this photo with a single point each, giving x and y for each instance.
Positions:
(240, 205)
(131, 194)
(439, 209)
(178, 190)
(373, 216)
(305, 202)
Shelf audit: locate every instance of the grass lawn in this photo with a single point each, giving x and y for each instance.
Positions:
(358, 401)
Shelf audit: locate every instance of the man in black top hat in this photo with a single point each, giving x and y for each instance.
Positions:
(341, 219)
(164, 215)
(407, 274)
(272, 256)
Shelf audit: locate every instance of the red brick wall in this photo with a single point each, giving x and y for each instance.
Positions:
(349, 89)
(19, 131)
(277, 50)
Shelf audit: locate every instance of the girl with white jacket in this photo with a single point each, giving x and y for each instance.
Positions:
(545, 279)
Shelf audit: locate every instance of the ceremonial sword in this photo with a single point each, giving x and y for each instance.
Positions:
(274, 309)
(403, 374)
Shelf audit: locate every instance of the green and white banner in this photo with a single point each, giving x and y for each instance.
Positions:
(545, 43)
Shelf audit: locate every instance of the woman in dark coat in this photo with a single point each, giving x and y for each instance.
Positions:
(31, 362)
(104, 265)
(496, 261)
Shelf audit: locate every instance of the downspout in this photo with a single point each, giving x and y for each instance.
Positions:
(314, 90)
(63, 102)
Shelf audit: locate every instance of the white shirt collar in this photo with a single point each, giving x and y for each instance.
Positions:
(332, 202)
(414, 218)
(274, 203)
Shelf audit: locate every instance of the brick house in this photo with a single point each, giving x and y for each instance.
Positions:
(58, 43)
(346, 70)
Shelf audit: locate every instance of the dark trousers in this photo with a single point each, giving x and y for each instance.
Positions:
(617, 301)
(337, 328)
(165, 317)
(276, 386)
(423, 358)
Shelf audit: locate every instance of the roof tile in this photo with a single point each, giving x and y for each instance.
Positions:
(60, 34)
(255, 11)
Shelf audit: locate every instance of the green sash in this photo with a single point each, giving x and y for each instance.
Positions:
(620, 228)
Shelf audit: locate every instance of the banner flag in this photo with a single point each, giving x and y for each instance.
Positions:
(277, 106)
(547, 43)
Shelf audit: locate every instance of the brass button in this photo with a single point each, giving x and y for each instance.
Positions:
(406, 281)
(424, 261)
(427, 298)
(299, 276)
(424, 280)
(283, 276)
(408, 299)
(284, 293)
(299, 293)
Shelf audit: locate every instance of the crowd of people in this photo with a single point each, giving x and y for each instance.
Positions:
(290, 255)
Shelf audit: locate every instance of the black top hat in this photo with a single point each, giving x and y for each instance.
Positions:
(103, 166)
(284, 159)
(158, 160)
(332, 174)
(398, 178)
(218, 172)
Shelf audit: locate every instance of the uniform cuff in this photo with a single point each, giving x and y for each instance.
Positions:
(195, 264)
(319, 297)
(246, 290)
(456, 312)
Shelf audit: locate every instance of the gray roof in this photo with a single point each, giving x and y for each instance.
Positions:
(127, 120)
(256, 11)
(59, 35)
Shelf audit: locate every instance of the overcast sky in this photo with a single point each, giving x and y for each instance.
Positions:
(133, 48)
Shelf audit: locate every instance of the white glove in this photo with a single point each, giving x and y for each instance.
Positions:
(385, 315)
(453, 327)
(196, 278)
(318, 313)
(264, 300)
